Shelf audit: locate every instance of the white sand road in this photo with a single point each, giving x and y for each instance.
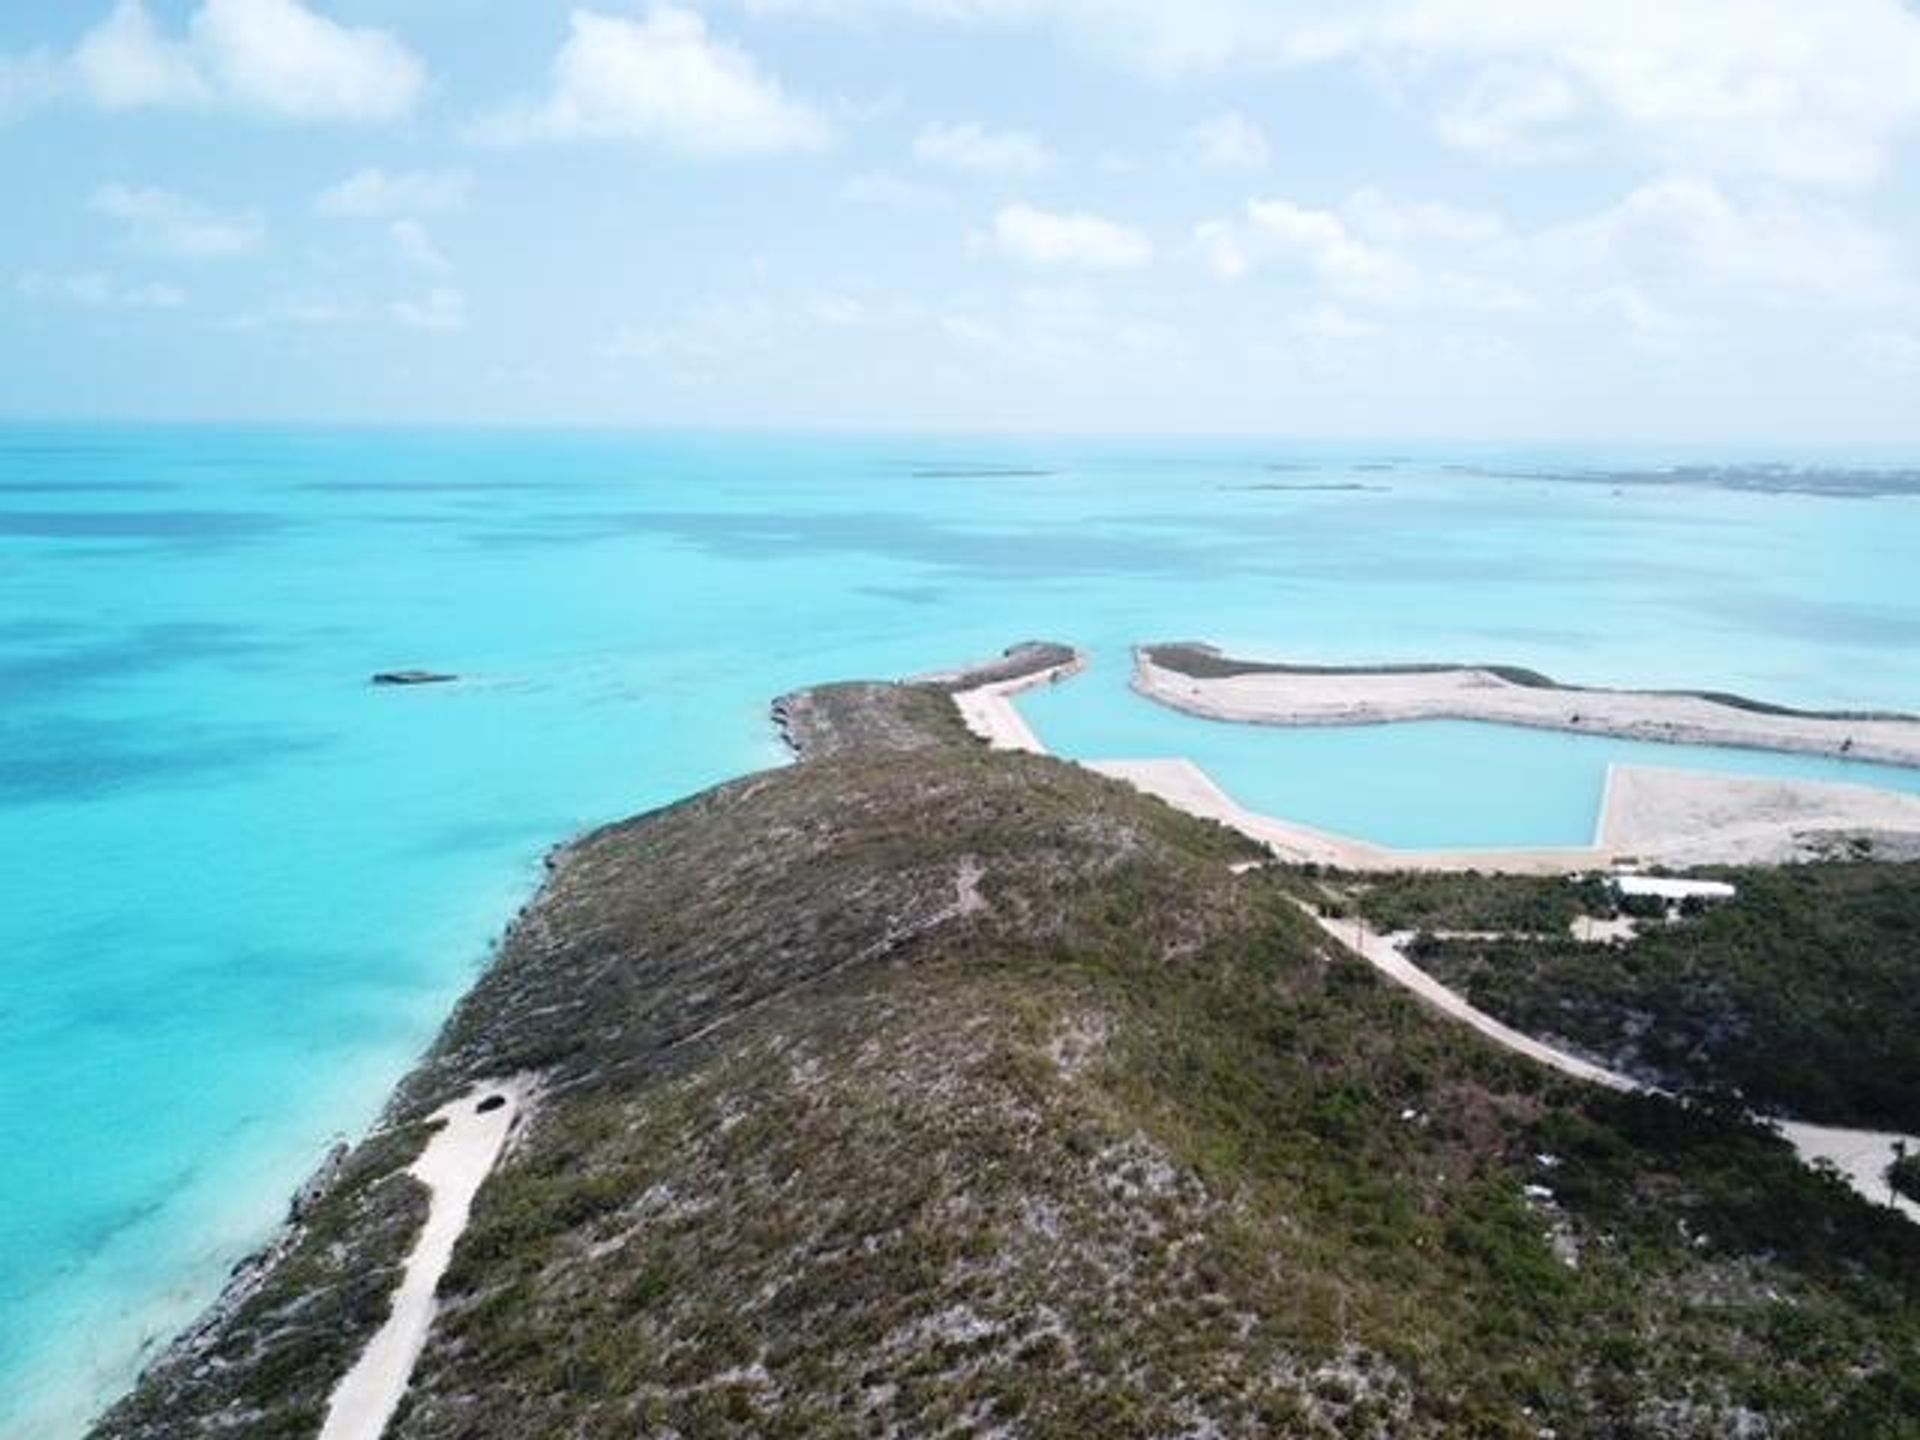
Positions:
(473, 1131)
(1860, 1156)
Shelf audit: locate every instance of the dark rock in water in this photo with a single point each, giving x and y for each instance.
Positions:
(492, 1102)
(414, 677)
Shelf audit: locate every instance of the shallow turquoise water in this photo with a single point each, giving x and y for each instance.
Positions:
(239, 888)
(1425, 785)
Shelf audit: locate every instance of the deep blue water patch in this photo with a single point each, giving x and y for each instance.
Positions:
(164, 527)
(42, 672)
(76, 758)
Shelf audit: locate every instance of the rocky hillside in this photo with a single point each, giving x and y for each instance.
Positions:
(916, 1090)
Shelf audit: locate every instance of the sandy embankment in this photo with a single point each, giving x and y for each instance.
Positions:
(1649, 814)
(1860, 1156)
(990, 712)
(457, 1159)
(1378, 697)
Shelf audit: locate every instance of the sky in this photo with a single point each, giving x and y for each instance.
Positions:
(1668, 220)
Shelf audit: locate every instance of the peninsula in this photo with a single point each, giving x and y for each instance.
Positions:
(922, 1087)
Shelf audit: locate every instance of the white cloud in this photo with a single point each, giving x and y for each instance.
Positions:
(1282, 231)
(440, 309)
(1688, 238)
(875, 187)
(124, 62)
(163, 223)
(1669, 260)
(271, 57)
(1229, 141)
(414, 244)
(374, 194)
(1515, 112)
(663, 81)
(976, 149)
(279, 56)
(1067, 238)
(98, 290)
(1374, 251)
(1807, 93)
(1816, 93)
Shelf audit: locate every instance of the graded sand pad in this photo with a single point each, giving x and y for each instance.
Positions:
(1301, 697)
(1682, 816)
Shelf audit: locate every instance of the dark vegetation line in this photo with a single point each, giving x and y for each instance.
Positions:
(1203, 662)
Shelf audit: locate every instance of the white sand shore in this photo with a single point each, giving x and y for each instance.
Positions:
(1377, 697)
(990, 712)
(457, 1159)
(1860, 1156)
(1185, 786)
(1649, 816)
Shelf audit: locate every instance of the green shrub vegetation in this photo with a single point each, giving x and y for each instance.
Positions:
(920, 1090)
(1800, 997)
(1520, 904)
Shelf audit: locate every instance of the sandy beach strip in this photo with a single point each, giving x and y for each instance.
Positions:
(1373, 697)
(473, 1131)
(990, 713)
(1185, 786)
(1650, 815)
(1860, 1157)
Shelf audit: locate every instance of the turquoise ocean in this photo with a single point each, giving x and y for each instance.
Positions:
(240, 888)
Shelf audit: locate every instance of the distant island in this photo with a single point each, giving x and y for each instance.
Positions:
(928, 1087)
(1838, 482)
